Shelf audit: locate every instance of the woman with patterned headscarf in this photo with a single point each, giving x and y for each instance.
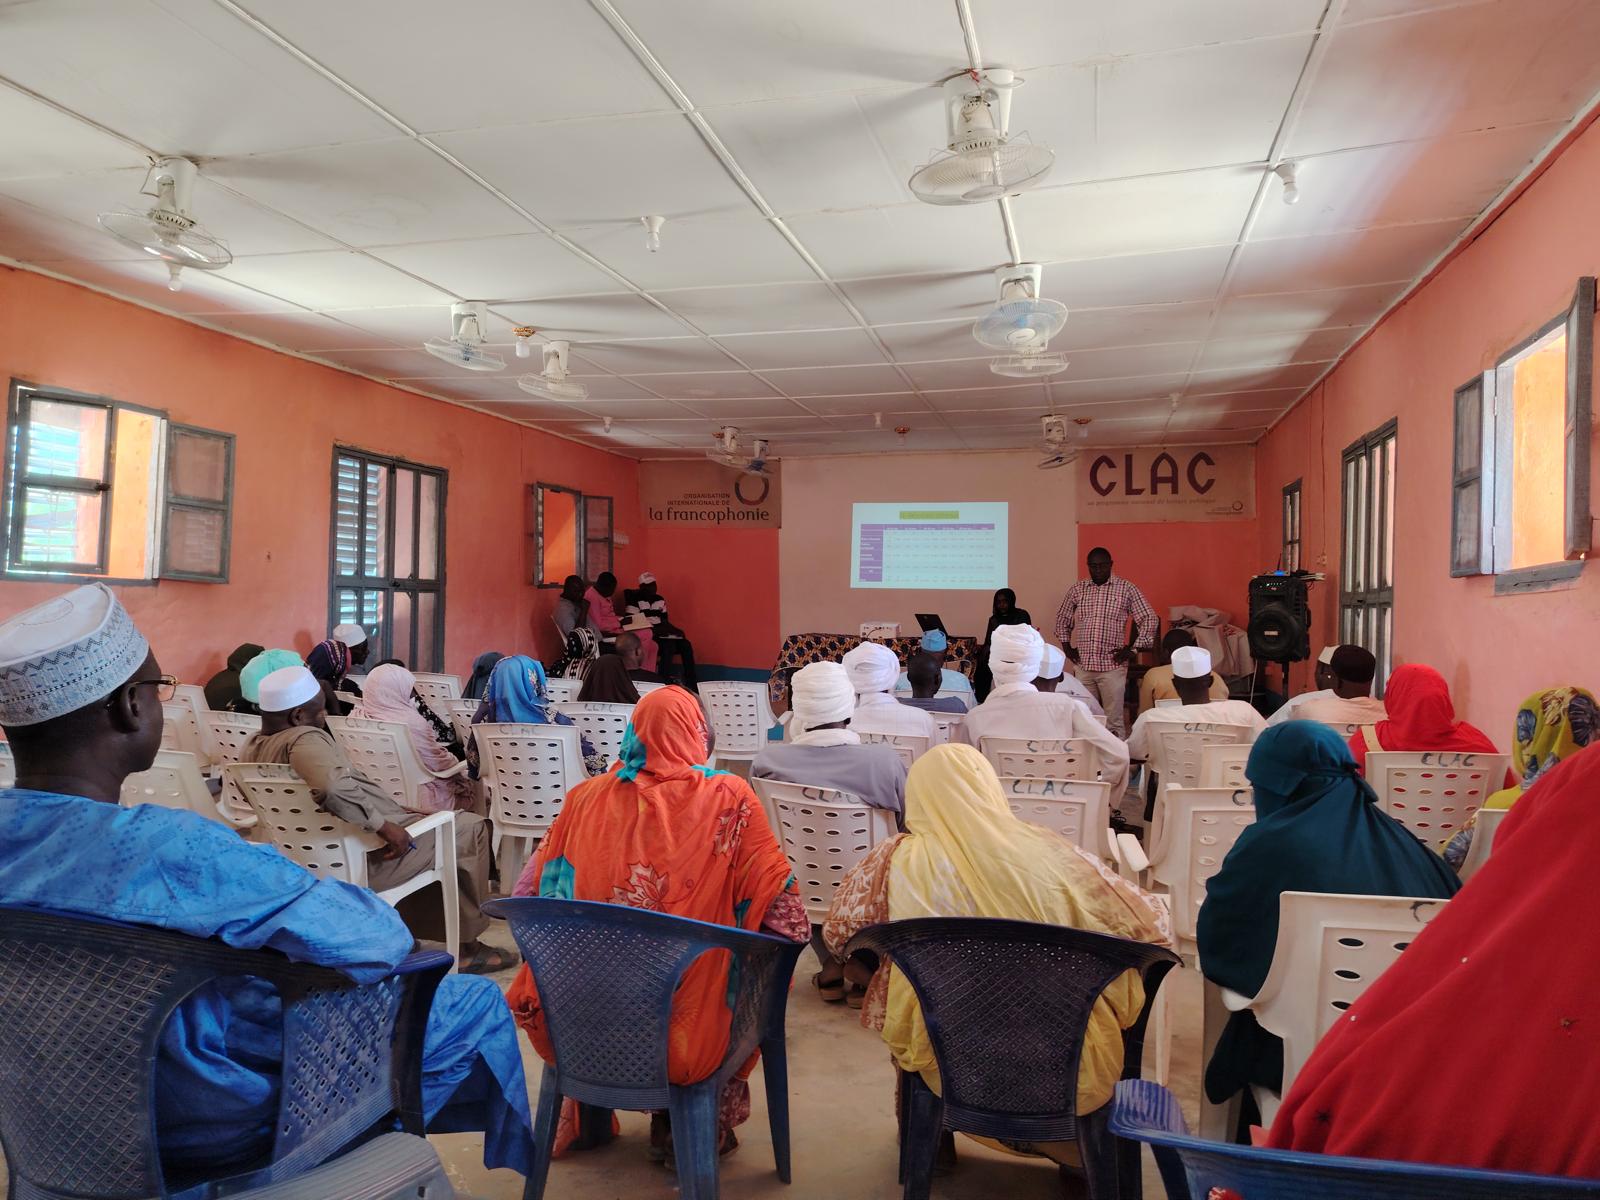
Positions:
(663, 832)
(519, 695)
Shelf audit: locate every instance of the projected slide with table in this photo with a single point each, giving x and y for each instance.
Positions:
(949, 546)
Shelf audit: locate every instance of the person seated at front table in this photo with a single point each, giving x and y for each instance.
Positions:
(1420, 716)
(926, 676)
(1157, 682)
(638, 627)
(1191, 675)
(964, 854)
(572, 606)
(631, 650)
(603, 617)
(389, 697)
(665, 833)
(1318, 828)
(331, 660)
(1016, 709)
(873, 669)
(936, 645)
(1053, 677)
(1352, 702)
(80, 702)
(518, 694)
(1323, 684)
(648, 602)
(222, 689)
(294, 731)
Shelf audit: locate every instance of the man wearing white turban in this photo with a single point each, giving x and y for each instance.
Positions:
(873, 671)
(1015, 708)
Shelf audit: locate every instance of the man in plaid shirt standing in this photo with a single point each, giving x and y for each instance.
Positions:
(1092, 626)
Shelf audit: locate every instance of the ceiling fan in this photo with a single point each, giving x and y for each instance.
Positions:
(552, 383)
(982, 159)
(166, 230)
(1022, 321)
(728, 453)
(469, 319)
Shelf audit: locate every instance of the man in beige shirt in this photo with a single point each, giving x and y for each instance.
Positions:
(1157, 682)
(1352, 704)
(294, 731)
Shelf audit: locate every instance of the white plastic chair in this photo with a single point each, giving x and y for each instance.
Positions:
(8, 766)
(562, 691)
(1169, 843)
(1078, 809)
(331, 848)
(944, 725)
(460, 713)
(909, 746)
(1178, 750)
(1222, 765)
(182, 728)
(173, 781)
(432, 686)
(382, 751)
(227, 733)
(527, 771)
(1041, 758)
(1203, 830)
(1345, 729)
(603, 721)
(741, 718)
(1483, 831)
(824, 832)
(644, 689)
(1433, 792)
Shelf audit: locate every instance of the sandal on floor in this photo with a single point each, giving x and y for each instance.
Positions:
(831, 993)
(856, 997)
(486, 960)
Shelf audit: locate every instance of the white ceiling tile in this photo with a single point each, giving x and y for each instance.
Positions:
(36, 139)
(1233, 403)
(332, 279)
(1277, 349)
(996, 418)
(1337, 260)
(307, 333)
(403, 364)
(603, 389)
(701, 252)
(410, 325)
(745, 408)
(1025, 32)
(924, 341)
(823, 346)
(1231, 379)
(859, 422)
(547, 62)
(657, 355)
(632, 410)
(522, 266)
(1143, 325)
(955, 373)
(703, 384)
(1120, 362)
(180, 76)
(1290, 312)
(603, 317)
(765, 309)
(202, 292)
(907, 239)
(803, 382)
(972, 399)
(837, 406)
(373, 194)
(899, 299)
(1138, 279)
(584, 172)
(30, 234)
(1104, 391)
(1135, 216)
(1464, 67)
(528, 409)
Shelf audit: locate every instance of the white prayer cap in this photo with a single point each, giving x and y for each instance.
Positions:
(1326, 657)
(1191, 662)
(1055, 662)
(646, 577)
(1016, 652)
(872, 668)
(822, 695)
(287, 689)
(350, 635)
(66, 653)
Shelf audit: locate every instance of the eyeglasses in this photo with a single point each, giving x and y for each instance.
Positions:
(166, 686)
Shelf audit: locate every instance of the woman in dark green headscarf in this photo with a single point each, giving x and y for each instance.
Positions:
(1318, 828)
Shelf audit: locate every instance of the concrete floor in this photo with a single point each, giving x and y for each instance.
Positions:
(842, 1125)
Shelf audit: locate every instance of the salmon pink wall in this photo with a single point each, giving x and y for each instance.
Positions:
(722, 588)
(1517, 274)
(288, 414)
(1208, 563)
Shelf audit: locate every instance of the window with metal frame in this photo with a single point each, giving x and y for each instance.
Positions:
(101, 489)
(387, 556)
(573, 534)
(1289, 557)
(1366, 575)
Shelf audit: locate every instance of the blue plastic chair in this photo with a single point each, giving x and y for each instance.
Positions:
(606, 975)
(82, 1006)
(1006, 1004)
(1191, 1167)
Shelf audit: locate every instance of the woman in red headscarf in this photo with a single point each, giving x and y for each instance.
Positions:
(662, 832)
(1421, 717)
(1477, 1048)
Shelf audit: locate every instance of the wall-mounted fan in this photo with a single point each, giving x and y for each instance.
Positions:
(166, 230)
(552, 383)
(1057, 445)
(982, 160)
(728, 452)
(1029, 366)
(469, 323)
(1022, 321)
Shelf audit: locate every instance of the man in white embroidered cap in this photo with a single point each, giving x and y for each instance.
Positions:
(80, 701)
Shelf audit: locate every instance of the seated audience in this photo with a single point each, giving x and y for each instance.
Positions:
(1005, 612)
(518, 695)
(1474, 1049)
(1259, 692)
(579, 654)
(1016, 709)
(631, 650)
(1318, 828)
(331, 660)
(1157, 682)
(1324, 689)
(257, 669)
(638, 627)
(478, 681)
(1053, 677)
(648, 602)
(873, 669)
(80, 701)
(608, 682)
(603, 617)
(1421, 716)
(294, 731)
(222, 689)
(926, 675)
(1352, 702)
(663, 833)
(1552, 725)
(389, 697)
(964, 854)
(572, 605)
(935, 644)
(1191, 675)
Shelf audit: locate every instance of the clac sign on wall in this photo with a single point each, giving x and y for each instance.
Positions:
(1173, 483)
(709, 495)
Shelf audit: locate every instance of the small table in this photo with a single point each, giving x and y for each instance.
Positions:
(801, 649)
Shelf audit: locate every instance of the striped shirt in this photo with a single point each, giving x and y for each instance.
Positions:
(1099, 614)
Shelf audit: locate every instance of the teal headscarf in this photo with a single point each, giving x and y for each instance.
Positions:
(1318, 828)
(518, 693)
(262, 665)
